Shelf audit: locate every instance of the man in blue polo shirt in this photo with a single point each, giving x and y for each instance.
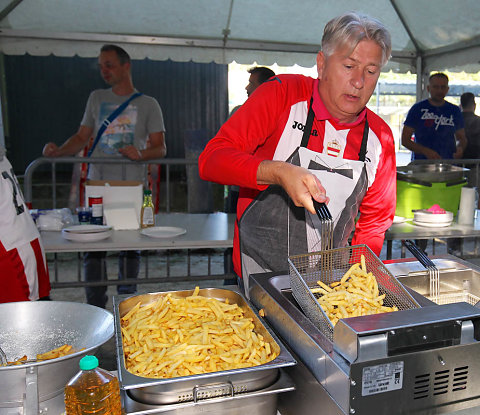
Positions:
(438, 130)
(435, 124)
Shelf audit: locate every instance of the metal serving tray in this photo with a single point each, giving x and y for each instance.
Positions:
(183, 389)
(330, 266)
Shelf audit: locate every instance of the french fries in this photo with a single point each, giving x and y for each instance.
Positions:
(18, 361)
(356, 294)
(61, 351)
(174, 337)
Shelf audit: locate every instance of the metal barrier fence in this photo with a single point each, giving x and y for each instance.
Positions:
(67, 273)
(472, 164)
(211, 259)
(34, 165)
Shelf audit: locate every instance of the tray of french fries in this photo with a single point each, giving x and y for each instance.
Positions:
(170, 343)
(342, 283)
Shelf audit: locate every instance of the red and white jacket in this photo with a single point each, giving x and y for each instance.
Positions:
(269, 126)
(23, 267)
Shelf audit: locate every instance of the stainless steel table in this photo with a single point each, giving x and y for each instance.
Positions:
(204, 230)
(408, 230)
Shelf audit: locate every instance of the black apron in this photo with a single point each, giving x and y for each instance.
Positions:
(272, 228)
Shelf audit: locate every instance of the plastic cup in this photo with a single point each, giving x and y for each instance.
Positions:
(84, 214)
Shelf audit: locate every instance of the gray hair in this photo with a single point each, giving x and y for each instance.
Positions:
(350, 29)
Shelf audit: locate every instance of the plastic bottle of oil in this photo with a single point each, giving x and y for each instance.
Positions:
(92, 391)
(147, 217)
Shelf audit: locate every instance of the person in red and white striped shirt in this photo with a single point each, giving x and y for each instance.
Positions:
(23, 267)
(296, 139)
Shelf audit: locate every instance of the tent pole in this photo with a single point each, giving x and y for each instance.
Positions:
(4, 121)
(8, 8)
(419, 91)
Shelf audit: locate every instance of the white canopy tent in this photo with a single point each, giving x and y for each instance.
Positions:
(427, 35)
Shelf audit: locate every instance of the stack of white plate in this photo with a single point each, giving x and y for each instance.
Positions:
(87, 233)
(399, 219)
(432, 220)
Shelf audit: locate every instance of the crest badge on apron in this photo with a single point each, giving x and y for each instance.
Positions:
(333, 148)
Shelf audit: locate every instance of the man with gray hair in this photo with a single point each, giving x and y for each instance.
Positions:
(299, 139)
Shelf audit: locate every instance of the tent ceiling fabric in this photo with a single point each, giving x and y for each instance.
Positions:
(443, 33)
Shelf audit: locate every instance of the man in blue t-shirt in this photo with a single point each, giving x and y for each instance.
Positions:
(435, 124)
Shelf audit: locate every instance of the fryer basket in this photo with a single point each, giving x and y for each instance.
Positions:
(455, 297)
(307, 269)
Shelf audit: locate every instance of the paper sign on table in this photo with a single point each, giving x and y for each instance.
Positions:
(119, 197)
(121, 216)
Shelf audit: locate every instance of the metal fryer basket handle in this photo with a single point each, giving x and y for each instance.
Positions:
(326, 221)
(433, 271)
(419, 254)
(326, 234)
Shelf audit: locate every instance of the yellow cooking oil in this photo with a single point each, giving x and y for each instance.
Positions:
(147, 216)
(92, 391)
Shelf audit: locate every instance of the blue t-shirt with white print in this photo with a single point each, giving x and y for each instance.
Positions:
(435, 127)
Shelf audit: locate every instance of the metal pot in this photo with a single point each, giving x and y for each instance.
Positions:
(28, 328)
(432, 172)
(420, 186)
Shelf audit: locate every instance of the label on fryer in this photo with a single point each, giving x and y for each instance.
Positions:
(382, 378)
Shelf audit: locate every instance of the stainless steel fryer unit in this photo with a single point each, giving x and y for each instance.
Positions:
(183, 389)
(307, 269)
(437, 346)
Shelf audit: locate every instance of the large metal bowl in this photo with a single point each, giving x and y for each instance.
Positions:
(28, 328)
